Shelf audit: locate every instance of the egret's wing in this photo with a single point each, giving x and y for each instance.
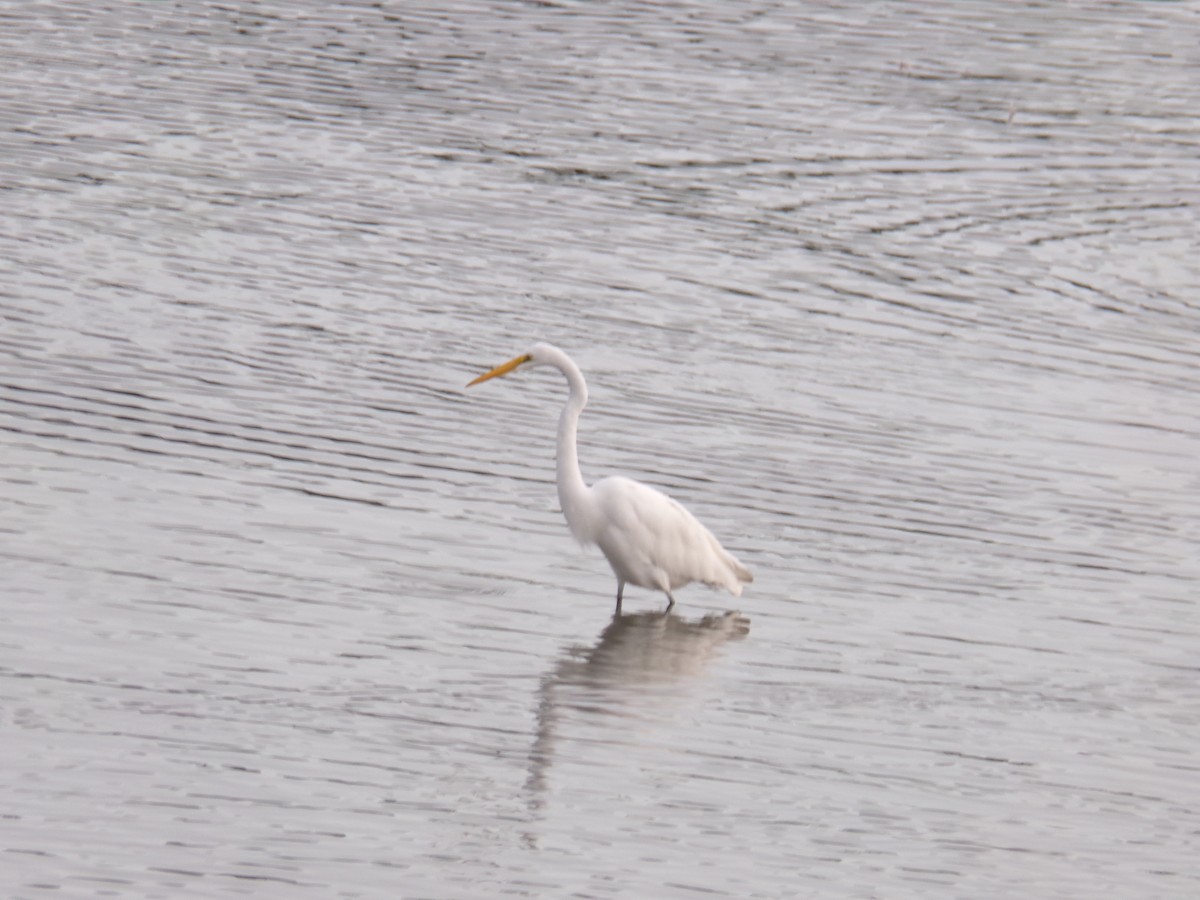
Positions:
(654, 541)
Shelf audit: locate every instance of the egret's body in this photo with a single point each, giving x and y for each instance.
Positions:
(649, 539)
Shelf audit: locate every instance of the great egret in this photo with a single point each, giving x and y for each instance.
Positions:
(648, 538)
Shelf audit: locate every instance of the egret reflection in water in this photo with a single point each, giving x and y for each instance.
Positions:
(640, 673)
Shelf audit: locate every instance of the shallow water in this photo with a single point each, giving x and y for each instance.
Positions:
(899, 299)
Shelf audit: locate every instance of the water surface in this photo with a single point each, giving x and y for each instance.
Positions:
(900, 299)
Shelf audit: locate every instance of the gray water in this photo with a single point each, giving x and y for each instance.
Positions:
(899, 298)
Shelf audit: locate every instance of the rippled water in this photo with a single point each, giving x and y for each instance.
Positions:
(899, 298)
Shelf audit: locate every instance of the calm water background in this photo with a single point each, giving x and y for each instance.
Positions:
(900, 298)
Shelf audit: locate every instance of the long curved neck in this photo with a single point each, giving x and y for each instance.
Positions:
(572, 490)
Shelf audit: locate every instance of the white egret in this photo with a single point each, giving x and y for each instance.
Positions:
(649, 539)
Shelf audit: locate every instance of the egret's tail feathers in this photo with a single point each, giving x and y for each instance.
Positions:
(739, 572)
(725, 570)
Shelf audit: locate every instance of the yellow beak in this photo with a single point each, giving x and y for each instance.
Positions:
(502, 369)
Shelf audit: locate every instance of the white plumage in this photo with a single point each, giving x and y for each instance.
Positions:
(649, 539)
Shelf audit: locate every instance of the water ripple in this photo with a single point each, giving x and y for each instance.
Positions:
(899, 299)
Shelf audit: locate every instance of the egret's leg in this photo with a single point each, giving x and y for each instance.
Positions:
(620, 593)
(670, 601)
